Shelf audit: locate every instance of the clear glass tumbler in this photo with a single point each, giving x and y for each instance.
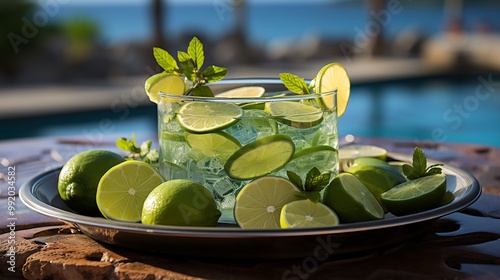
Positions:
(224, 142)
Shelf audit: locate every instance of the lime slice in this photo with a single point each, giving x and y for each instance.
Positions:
(416, 195)
(164, 82)
(123, 189)
(307, 214)
(204, 117)
(259, 203)
(356, 151)
(322, 157)
(348, 153)
(242, 92)
(330, 78)
(219, 145)
(295, 114)
(261, 157)
(351, 200)
(172, 137)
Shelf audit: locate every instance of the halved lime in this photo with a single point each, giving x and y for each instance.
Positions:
(295, 114)
(416, 195)
(322, 157)
(219, 145)
(307, 214)
(333, 77)
(164, 82)
(261, 157)
(259, 203)
(204, 117)
(251, 91)
(123, 189)
(351, 200)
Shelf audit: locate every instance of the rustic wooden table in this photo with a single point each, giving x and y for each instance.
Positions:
(462, 245)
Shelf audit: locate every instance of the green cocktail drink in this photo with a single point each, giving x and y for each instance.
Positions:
(251, 128)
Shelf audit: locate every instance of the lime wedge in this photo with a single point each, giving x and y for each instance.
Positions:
(307, 214)
(219, 145)
(261, 157)
(242, 92)
(351, 200)
(164, 82)
(416, 195)
(204, 117)
(259, 203)
(333, 77)
(295, 114)
(322, 157)
(123, 189)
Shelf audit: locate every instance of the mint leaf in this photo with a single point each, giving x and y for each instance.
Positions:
(419, 161)
(408, 171)
(202, 91)
(419, 166)
(315, 181)
(195, 50)
(312, 196)
(126, 145)
(165, 60)
(294, 83)
(295, 179)
(214, 73)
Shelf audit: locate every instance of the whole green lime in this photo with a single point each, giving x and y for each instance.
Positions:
(180, 203)
(378, 176)
(79, 178)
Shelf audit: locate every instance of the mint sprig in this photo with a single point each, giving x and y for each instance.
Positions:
(315, 182)
(142, 152)
(294, 83)
(190, 65)
(419, 166)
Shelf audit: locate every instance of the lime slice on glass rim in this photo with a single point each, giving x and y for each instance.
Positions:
(351, 200)
(220, 145)
(416, 195)
(205, 117)
(295, 114)
(333, 77)
(242, 92)
(261, 157)
(123, 189)
(258, 204)
(307, 214)
(167, 83)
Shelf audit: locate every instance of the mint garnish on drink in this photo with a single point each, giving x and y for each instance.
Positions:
(190, 66)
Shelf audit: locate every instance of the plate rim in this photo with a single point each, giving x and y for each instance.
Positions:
(28, 198)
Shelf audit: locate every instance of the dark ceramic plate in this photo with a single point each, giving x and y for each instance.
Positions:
(41, 195)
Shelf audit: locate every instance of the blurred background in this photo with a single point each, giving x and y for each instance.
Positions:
(420, 70)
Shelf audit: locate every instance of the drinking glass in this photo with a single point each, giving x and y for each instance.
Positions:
(309, 121)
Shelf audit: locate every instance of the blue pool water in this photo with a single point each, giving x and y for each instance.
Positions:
(457, 110)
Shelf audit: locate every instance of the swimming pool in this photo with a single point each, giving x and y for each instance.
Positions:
(459, 109)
